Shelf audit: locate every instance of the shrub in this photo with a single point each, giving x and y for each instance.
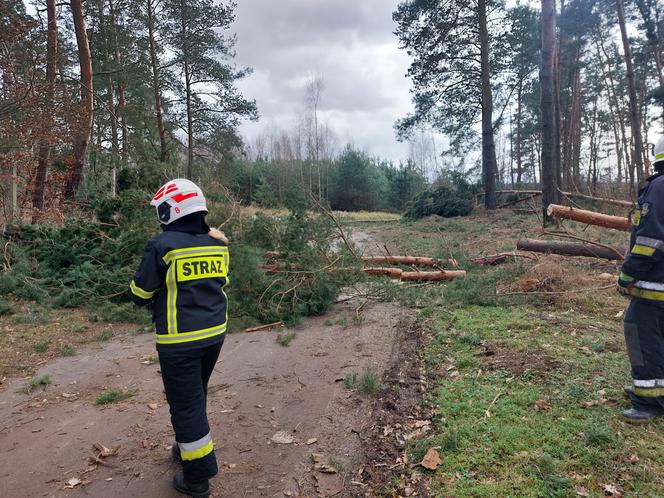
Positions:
(284, 339)
(444, 201)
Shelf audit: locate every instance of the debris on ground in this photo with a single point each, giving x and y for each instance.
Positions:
(431, 460)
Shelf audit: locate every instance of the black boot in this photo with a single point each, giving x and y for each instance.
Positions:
(636, 416)
(197, 490)
(175, 453)
(627, 390)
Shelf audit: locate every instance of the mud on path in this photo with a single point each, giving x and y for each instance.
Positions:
(258, 388)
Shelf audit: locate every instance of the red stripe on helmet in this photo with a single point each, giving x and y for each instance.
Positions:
(183, 197)
(171, 188)
(159, 194)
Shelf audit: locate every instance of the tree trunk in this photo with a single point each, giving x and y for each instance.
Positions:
(122, 86)
(45, 143)
(83, 126)
(590, 217)
(156, 84)
(548, 109)
(653, 40)
(519, 160)
(575, 132)
(558, 44)
(110, 102)
(489, 164)
(187, 83)
(637, 154)
(571, 249)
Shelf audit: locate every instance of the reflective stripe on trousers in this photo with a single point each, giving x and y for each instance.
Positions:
(197, 449)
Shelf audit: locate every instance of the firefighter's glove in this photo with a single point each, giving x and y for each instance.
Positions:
(625, 284)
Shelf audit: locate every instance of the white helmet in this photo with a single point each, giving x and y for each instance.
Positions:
(659, 153)
(178, 198)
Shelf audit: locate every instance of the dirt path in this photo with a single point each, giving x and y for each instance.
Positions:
(257, 389)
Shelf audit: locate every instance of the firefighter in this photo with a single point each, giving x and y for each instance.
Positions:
(182, 276)
(642, 278)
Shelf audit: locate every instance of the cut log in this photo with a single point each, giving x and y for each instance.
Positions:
(410, 261)
(589, 217)
(571, 249)
(417, 276)
(432, 276)
(390, 272)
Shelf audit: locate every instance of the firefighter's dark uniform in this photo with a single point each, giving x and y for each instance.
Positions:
(183, 274)
(642, 277)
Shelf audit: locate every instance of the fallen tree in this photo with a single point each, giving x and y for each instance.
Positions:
(529, 194)
(571, 249)
(395, 273)
(589, 217)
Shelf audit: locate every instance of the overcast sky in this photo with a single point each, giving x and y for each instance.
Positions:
(350, 43)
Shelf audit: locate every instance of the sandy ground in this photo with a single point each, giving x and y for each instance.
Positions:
(258, 388)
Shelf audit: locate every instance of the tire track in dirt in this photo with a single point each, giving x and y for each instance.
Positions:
(257, 389)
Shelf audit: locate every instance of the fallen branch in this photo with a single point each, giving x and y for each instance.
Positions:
(264, 327)
(536, 193)
(329, 214)
(573, 291)
(569, 249)
(496, 259)
(589, 217)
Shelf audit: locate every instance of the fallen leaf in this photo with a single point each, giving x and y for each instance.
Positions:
(431, 460)
(282, 437)
(73, 482)
(592, 402)
(328, 484)
(422, 423)
(540, 404)
(602, 392)
(153, 406)
(312, 440)
(104, 451)
(633, 459)
(68, 395)
(613, 490)
(581, 491)
(108, 479)
(522, 454)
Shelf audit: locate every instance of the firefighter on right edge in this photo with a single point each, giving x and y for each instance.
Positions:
(642, 278)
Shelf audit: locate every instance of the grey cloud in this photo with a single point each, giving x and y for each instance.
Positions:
(349, 43)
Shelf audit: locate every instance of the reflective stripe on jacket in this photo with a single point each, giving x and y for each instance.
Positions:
(184, 276)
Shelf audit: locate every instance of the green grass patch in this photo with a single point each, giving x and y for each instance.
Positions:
(369, 382)
(285, 338)
(113, 396)
(41, 346)
(493, 439)
(42, 381)
(350, 380)
(105, 335)
(67, 350)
